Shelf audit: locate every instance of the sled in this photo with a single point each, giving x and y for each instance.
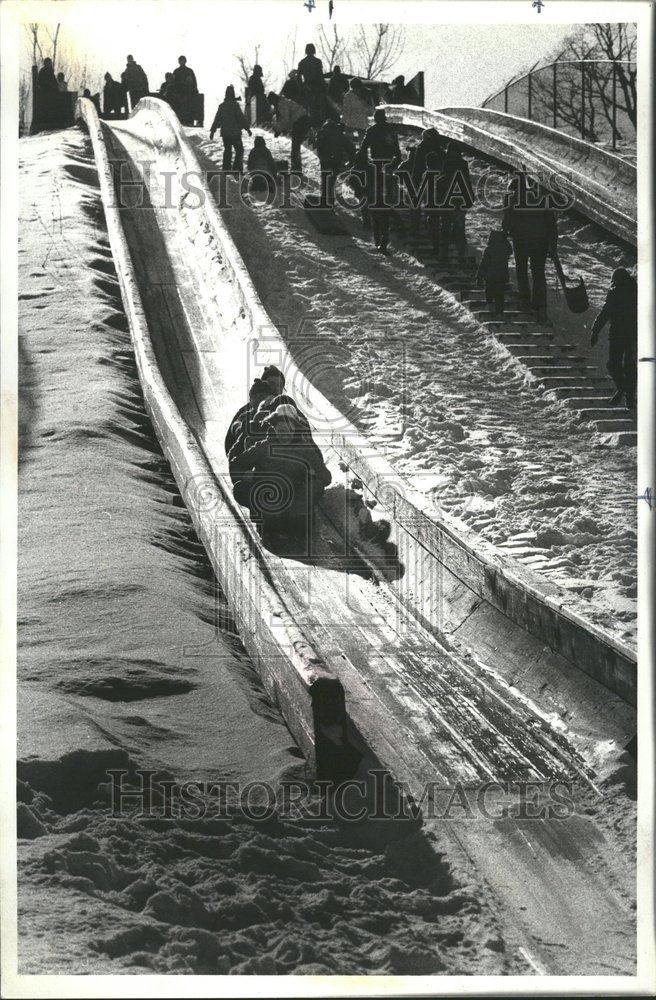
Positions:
(576, 296)
(323, 218)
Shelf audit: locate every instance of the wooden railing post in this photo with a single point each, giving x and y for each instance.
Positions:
(555, 94)
(530, 96)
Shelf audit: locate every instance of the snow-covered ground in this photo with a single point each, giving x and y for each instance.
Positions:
(120, 663)
(446, 402)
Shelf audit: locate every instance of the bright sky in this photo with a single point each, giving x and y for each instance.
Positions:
(463, 63)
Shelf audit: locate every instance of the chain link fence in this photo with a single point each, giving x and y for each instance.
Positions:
(590, 98)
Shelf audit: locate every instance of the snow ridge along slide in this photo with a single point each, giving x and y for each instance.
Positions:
(601, 185)
(439, 653)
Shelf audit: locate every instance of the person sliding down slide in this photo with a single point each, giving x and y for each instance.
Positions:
(282, 477)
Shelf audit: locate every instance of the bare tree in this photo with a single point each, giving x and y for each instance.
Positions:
(374, 50)
(332, 47)
(583, 96)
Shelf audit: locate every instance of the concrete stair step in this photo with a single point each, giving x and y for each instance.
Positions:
(508, 314)
(524, 337)
(590, 392)
(536, 352)
(625, 439)
(613, 425)
(557, 360)
(584, 371)
(552, 381)
(602, 412)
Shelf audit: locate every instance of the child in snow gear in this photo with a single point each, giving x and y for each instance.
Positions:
(493, 270)
(620, 311)
(230, 119)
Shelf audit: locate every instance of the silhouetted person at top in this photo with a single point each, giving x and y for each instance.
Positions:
(183, 91)
(184, 78)
(310, 70)
(401, 92)
(230, 120)
(113, 100)
(292, 88)
(134, 81)
(256, 82)
(62, 86)
(337, 85)
(166, 88)
(46, 79)
(255, 88)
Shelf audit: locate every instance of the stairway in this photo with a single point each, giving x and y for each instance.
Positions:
(555, 368)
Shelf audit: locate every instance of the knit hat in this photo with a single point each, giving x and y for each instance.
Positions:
(274, 376)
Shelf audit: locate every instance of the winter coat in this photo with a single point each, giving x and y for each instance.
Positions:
(333, 145)
(455, 183)
(355, 111)
(292, 90)
(46, 79)
(494, 262)
(112, 96)
(288, 112)
(229, 118)
(261, 158)
(382, 143)
(310, 70)
(534, 229)
(291, 458)
(338, 87)
(135, 81)
(620, 310)
(184, 80)
(402, 94)
(255, 87)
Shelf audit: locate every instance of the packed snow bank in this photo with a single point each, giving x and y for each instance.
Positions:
(436, 393)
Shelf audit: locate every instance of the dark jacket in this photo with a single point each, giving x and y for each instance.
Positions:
(494, 262)
(402, 94)
(46, 79)
(261, 158)
(333, 145)
(455, 183)
(381, 141)
(113, 96)
(184, 80)
(534, 229)
(255, 86)
(620, 311)
(135, 81)
(337, 87)
(292, 90)
(229, 118)
(293, 455)
(311, 72)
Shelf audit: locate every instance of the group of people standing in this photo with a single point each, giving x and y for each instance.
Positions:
(179, 89)
(53, 105)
